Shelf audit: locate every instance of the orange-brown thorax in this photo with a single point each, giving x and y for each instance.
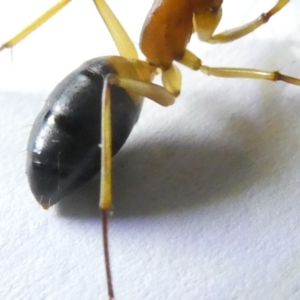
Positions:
(168, 29)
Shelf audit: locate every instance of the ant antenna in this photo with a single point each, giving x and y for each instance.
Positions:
(106, 254)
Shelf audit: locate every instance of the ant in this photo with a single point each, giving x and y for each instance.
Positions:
(90, 114)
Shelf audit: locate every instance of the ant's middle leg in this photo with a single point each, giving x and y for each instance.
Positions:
(249, 73)
(192, 61)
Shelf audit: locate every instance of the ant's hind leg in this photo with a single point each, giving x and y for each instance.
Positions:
(236, 33)
(137, 87)
(106, 147)
(141, 88)
(106, 180)
(34, 25)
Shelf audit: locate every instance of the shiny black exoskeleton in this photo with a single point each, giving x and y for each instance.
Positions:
(63, 148)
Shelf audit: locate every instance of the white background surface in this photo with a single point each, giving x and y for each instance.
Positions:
(206, 193)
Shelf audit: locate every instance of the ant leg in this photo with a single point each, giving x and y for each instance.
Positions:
(106, 147)
(117, 31)
(145, 89)
(249, 73)
(171, 77)
(236, 33)
(34, 25)
(171, 80)
(106, 181)
(141, 88)
(206, 19)
(192, 61)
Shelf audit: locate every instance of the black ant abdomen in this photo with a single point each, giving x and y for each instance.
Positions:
(64, 144)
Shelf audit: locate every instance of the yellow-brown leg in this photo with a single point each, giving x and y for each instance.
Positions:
(145, 89)
(236, 33)
(106, 179)
(142, 88)
(117, 31)
(106, 147)
(171, 80)
(192, 61)
(34, 25)
(248, 73)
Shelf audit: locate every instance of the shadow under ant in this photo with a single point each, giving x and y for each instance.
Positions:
(161, 178)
